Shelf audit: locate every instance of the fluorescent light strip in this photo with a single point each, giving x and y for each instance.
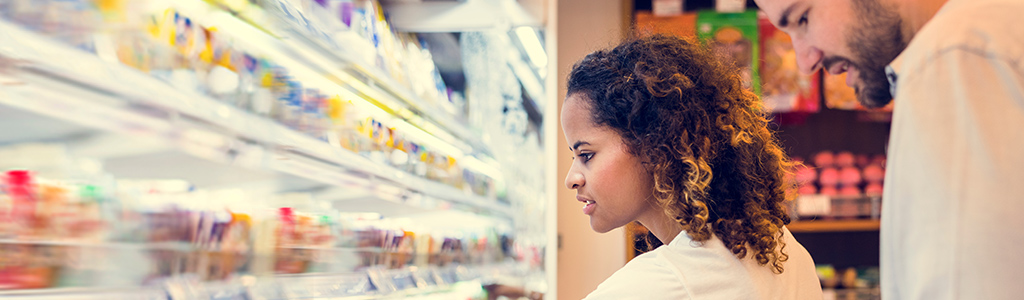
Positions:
(482, 167)
(526, 74)
(531, 42)
(527, 77)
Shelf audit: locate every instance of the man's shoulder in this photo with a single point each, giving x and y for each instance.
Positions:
(983, 27)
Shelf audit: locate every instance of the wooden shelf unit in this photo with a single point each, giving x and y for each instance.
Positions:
(833, 225)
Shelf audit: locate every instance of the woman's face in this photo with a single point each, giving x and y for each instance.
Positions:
(610, 182)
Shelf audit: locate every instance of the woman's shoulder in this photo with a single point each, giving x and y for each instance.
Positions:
(685, 269)
(710, 270)
(648, 276)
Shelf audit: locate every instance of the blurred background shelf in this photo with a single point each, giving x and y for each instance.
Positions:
(139, 293)
(126, 101)
(373, 283)
(809, 226)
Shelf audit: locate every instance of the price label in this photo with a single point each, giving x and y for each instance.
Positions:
(813, 205)
(425, 278)
(266, 291)
(448, 276)
(403, 280)
(229, 292)
(378, 279)
(184, 288)
(297, 291)
(352, 285)
(664, 8)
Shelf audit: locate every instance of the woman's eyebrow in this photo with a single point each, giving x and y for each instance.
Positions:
(577, 145)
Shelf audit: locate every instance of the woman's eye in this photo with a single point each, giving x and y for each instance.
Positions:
(803, 19)
(586, 156)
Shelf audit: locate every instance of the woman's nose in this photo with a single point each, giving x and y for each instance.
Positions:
(573, 180)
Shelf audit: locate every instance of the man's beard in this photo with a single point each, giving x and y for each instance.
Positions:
(875, 44)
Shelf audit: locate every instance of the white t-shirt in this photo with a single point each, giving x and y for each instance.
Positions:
(685, 270)
(954, 184)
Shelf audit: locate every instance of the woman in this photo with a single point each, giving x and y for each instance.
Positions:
(663, 133)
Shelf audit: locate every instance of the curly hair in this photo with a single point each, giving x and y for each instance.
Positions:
(717, 167)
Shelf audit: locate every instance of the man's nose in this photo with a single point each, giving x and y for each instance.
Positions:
(808, 57)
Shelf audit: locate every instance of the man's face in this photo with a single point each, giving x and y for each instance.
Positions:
(857, 36)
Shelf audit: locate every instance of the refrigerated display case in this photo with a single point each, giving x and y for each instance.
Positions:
(266, 149)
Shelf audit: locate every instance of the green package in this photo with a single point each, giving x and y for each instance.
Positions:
(733, 36)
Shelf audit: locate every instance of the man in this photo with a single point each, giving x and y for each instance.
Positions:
(955, 173)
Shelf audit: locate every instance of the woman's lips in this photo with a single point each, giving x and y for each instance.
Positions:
(588, 205)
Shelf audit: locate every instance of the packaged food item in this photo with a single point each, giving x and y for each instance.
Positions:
(784, 88)
(734, 36)
(683, 25)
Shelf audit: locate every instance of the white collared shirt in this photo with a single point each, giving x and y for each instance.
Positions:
(684, 269)
(954, 190)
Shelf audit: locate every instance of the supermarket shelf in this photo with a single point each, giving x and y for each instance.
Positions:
(374, 283)
(458, 16)
(383, 86)
(113, 97)
(854, 293)
(833, 226)
(298, 46)
(140, 293)
(172, 246)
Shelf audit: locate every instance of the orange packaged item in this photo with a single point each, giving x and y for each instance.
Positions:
(784, 88)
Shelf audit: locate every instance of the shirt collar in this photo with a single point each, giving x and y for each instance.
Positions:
(895, 67)
(892, 72)
(681, 238)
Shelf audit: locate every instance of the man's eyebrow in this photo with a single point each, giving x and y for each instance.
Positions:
(577, 145)
(784, 19)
